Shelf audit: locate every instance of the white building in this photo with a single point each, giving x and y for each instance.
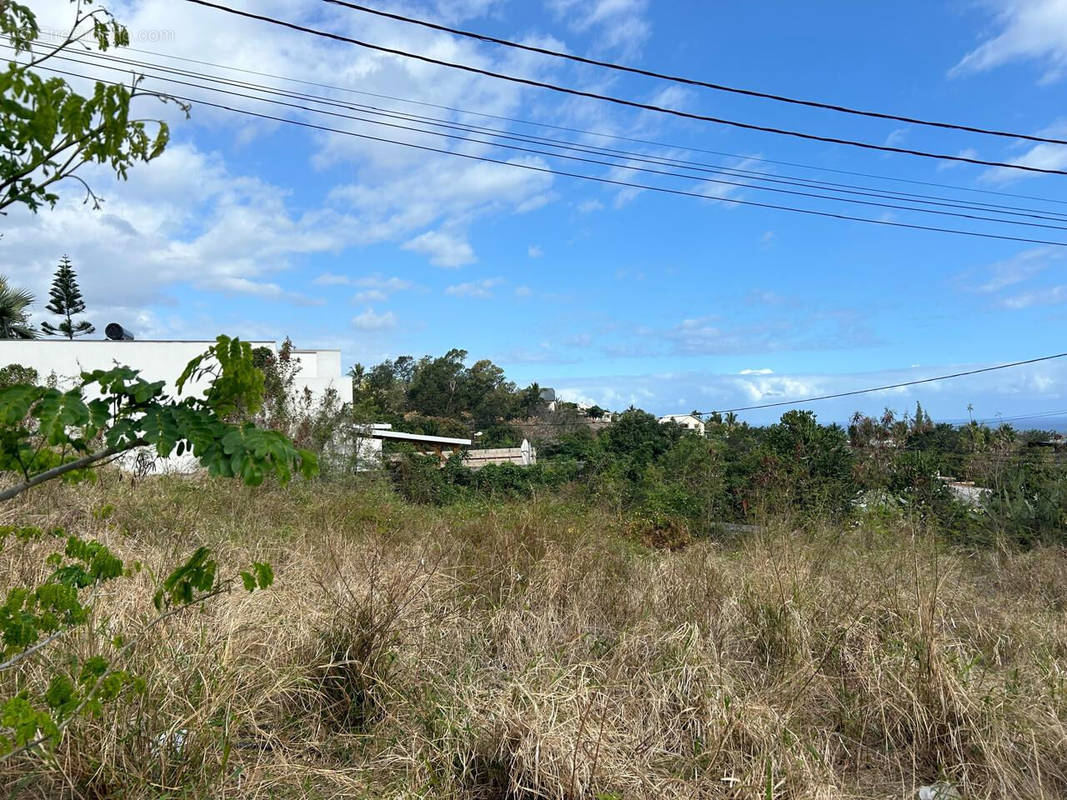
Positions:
(320, 370)
(65, 360)
(687, 421)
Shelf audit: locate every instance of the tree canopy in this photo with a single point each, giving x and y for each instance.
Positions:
(66, 301)
(14, 321)
(47, 129)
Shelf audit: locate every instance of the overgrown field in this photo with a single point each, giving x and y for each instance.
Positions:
(537, 650)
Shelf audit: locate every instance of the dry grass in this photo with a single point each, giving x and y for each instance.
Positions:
(533, 651)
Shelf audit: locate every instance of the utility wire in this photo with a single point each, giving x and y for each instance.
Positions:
(790, 180)
(582, 176)
(692, 81)
(1039, 415)
(621, 101)
(600, 134)
(884, 388)
(596, 161)
(563, 173)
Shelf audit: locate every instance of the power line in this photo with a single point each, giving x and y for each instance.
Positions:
(789, 180)
(693, 81)
(1039, 415)
(601, 134)
(610, 181)
(595, 161)
(884, 388)
(621, 101)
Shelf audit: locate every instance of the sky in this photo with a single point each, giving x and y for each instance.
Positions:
(609, 294)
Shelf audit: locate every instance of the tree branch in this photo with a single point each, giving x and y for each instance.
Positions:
(70, 466)
(40, 645)
(222, 587)
(46, 157)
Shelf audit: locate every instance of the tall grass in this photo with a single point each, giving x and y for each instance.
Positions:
(537, 651)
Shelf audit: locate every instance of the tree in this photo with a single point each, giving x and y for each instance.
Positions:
(805, 466)
(595, 412)
(14, 322)
(47, 130)
(921, 422)
(436, 382)
(66, 301)
(640, 436)
(529, 402)
(47, 434)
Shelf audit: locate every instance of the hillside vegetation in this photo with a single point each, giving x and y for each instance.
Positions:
(542, 649)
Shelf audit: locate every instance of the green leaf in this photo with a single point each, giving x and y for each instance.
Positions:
(264, 574)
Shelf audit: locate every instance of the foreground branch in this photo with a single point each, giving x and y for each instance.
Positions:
(70, 466)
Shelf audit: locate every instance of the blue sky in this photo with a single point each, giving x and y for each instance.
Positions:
(614, 296)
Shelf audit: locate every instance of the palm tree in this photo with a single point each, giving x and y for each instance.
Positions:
(14, 322)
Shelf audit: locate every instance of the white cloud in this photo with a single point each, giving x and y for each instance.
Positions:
(1033, 30)
(481, 289)
(377, 281)
(1051, 296)
(185, 218)
(896, 137)
(232, 284)
(370, 296)
(190, 217)
(374, 288)
(331, 279)
(763, 371)
(967, 152)
(1018, 268)
(1042, 156)
(616, 24)
(523, 291)
(758, 389)
(443, 249)
(1008, 391)
(533, 251)
(784, 328)
(371, 321)
(725, 189)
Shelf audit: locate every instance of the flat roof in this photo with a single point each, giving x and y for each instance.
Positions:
(381, 433)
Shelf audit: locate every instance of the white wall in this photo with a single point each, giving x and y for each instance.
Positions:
(319, 369)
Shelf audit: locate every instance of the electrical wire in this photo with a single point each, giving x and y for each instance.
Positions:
(855, 392)
(600, 134)
(614, 165)
(1040, 415)
(693, 81)
(584, 176)
(789, 180)
(622, 101)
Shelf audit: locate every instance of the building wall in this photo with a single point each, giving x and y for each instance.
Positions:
(319, 369)
(687, 421)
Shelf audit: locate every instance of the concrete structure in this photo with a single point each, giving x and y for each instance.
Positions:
(966, 491)
(319, 371)
(687, 421)
(524, 456)
(366, 444)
